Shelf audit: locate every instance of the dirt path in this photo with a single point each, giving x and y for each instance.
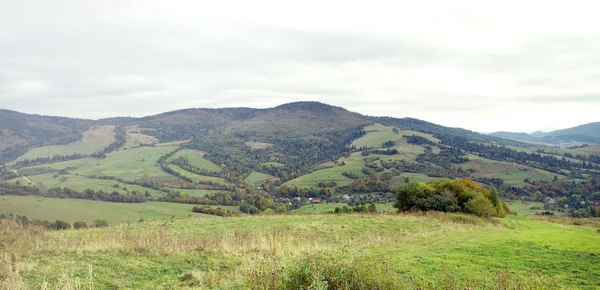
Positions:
(24, 177)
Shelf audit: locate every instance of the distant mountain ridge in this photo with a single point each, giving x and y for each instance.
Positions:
(587, 133)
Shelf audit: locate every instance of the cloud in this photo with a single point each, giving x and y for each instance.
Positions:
(479, 66)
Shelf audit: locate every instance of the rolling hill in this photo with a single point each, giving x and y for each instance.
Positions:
(587, 133)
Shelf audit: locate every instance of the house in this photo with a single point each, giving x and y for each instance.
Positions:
(316, 200)
(549, 200)
(346, 197)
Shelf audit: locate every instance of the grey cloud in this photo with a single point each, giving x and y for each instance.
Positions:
(581, 99)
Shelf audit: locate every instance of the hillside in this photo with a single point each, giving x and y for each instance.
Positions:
(19, 132)
(587, 133)
(258, 159)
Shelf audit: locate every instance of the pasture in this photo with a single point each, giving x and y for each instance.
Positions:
(130, 164)
(511, 173)
(258, 178)
(71, 210)
(81, 183)
(197, 177)
(196, 158)
(332, 171)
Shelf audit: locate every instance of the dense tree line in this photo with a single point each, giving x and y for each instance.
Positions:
(417, 140)
(214, 211)
(355, 209)
(367, 152)
(56, 225)
(64, 192)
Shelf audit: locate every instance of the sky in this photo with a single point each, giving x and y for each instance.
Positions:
(516, 66)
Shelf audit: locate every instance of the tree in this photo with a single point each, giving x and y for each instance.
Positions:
(372, 208)
(537, 196)
(495, 198)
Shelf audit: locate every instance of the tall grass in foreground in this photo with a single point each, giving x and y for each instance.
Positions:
(301, 257)
(317, 272)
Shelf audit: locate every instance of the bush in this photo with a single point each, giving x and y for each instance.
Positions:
(79, 225)
(61, 225)
(480, 206)
(450, 196)
(100, 223)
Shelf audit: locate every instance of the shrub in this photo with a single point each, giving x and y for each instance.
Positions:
(100, 223)
(480, 206)
(79, 225)
(61, 225)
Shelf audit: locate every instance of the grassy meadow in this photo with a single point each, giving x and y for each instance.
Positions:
(72, 210)
(196, 158)
(196, 177)
(130, 164)
(81, 183)
(511, 173)
(390, 251)
(258, 178)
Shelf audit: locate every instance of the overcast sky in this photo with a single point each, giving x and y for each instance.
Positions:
(513, 66)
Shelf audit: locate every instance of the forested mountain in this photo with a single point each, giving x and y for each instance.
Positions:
(587, 133)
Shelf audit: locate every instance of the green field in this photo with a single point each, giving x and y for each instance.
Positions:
(258, 178)
(412, 177)
(376, 135)
(326, 207)
(511, 173)
(431, 251)
(131, 164)
(94, 140)
(332, 172)
(196, 177)
(196, 158)
(81, 183)
(72, 210)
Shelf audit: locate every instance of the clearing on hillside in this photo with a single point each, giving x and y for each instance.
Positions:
(196, 158)
(259, 178)
(94, 140)
(81, 183)
(511, 173)
(258, 145)
(134, 138)
(332, 171)
(196, 177)
(130, 164)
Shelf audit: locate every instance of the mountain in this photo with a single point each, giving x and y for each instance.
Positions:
(299, 120)
(19, 131)
(587, 133)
